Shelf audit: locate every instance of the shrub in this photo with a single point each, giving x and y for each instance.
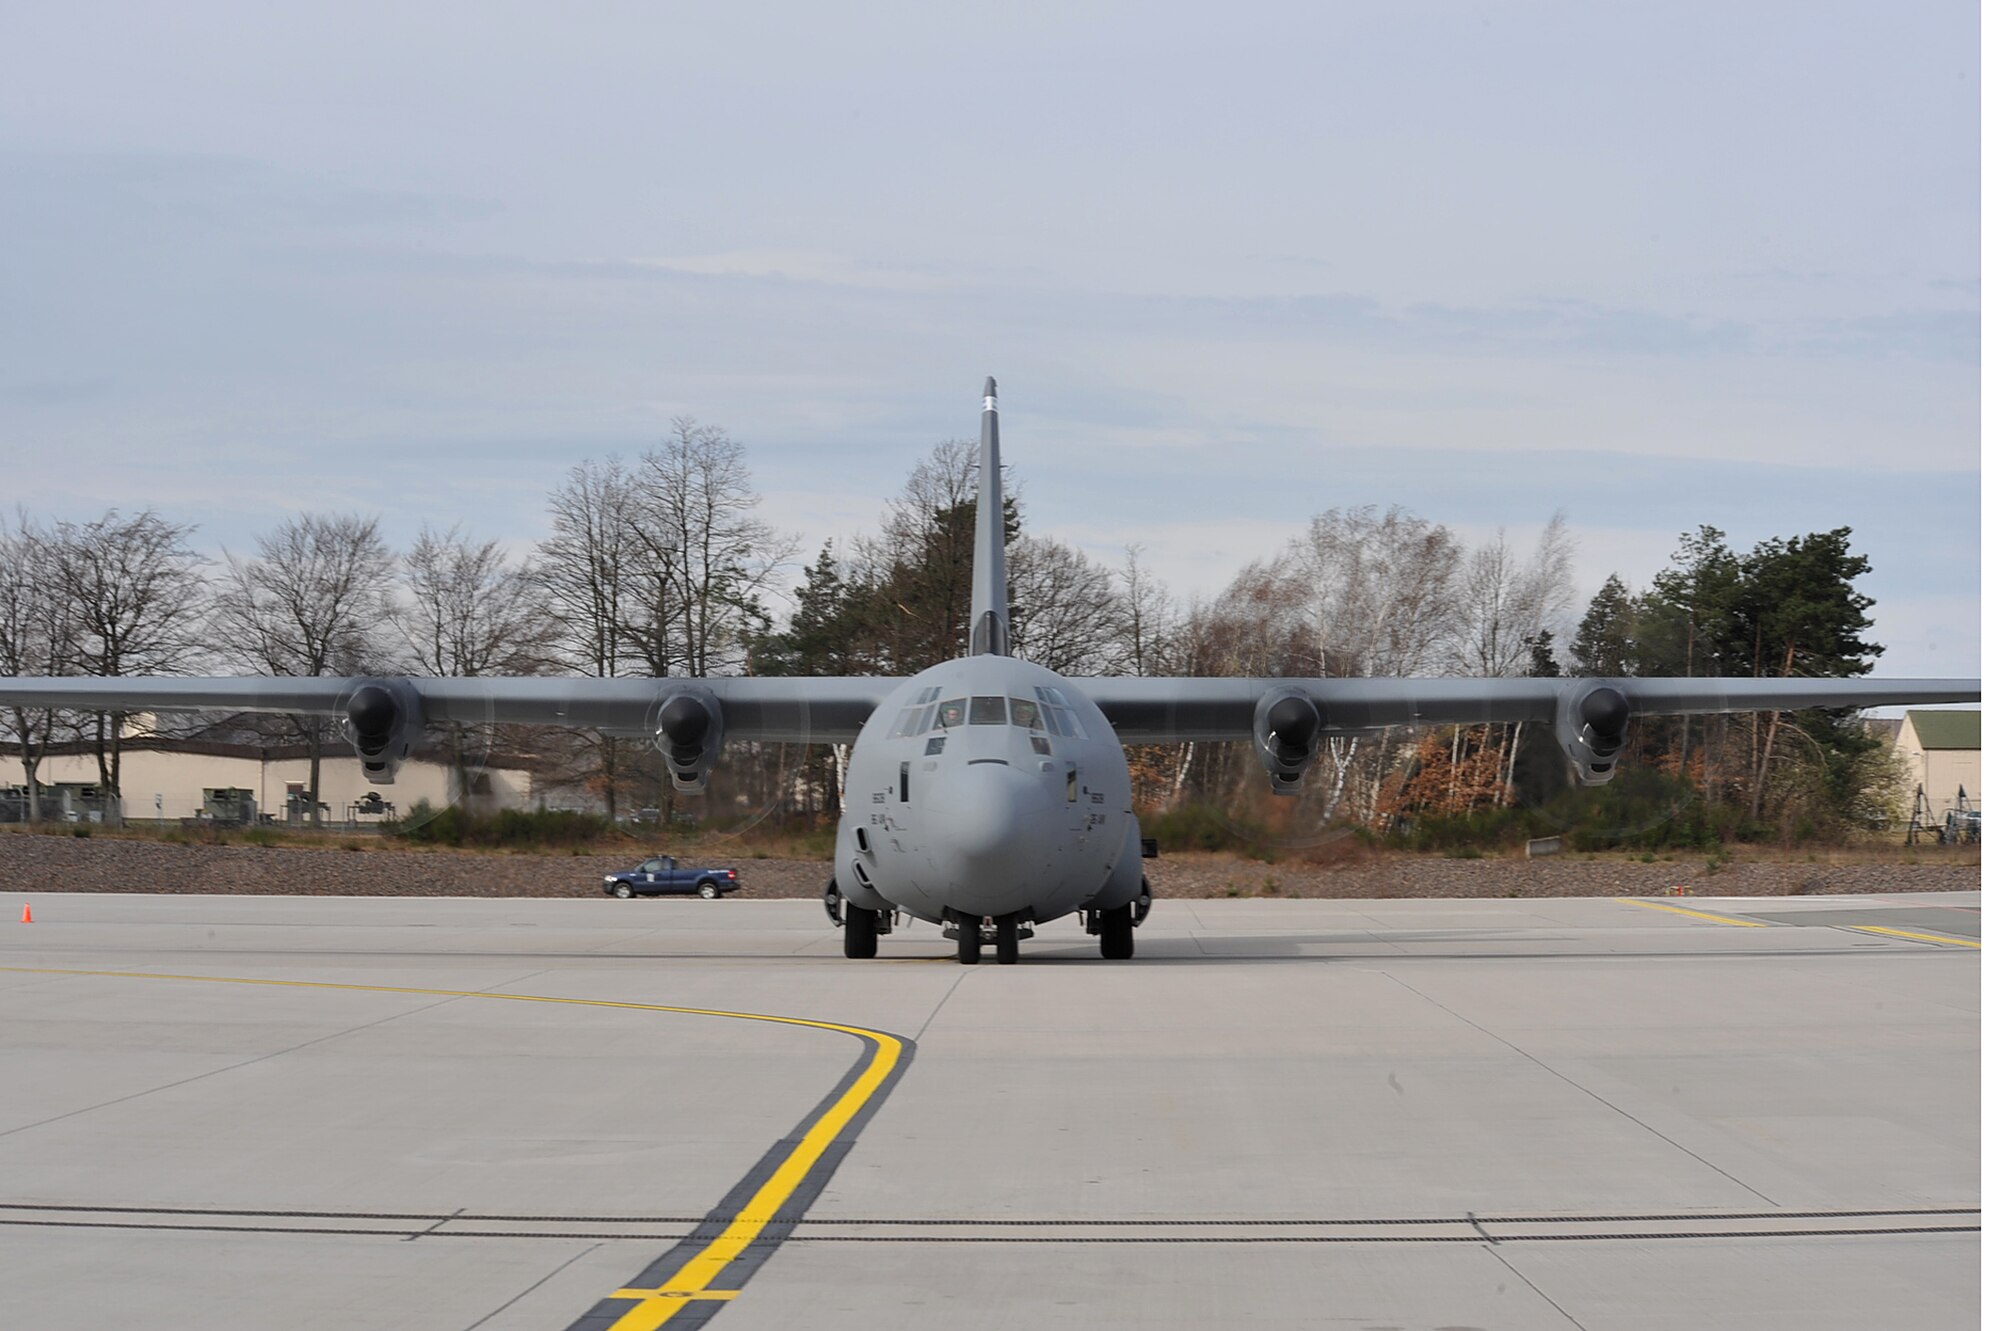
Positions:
(507, 828)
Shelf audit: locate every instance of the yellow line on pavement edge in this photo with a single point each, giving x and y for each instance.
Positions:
(1905, 933)
(690, 1283)
(1698, 914)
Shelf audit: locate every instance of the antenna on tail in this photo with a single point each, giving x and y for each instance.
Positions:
(989, 540)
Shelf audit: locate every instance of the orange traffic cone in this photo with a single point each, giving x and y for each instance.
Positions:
(27, 913)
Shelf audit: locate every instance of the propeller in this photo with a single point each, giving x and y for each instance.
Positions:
(417, 766)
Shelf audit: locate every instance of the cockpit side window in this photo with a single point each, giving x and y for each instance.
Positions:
(951, 713)
(1025, 713)
(1060, 718)
(989, 711)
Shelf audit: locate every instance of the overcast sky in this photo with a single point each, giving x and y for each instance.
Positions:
(1651, 265)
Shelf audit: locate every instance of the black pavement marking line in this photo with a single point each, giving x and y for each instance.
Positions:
(233, 1067)
(1049, 1240)
(1006, 1222)
(1624, 1114)
(1539, 1292)
(574, 1258)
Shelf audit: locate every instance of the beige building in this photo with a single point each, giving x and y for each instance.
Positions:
(1940, 752)
(170, 780)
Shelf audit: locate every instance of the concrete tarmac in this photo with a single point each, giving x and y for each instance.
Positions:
(222, 1112)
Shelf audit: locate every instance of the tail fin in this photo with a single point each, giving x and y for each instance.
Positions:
(989, 541)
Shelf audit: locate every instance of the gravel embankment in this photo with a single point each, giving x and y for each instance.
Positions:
(41, 863)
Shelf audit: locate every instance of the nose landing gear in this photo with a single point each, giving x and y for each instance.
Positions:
(1005, 932)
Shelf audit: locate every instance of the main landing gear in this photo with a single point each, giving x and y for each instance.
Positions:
(861, 928)
(863, 932)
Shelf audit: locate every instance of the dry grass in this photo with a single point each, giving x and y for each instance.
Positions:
(1345, 852)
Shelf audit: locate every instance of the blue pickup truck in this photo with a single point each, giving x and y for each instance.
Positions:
(663, 873)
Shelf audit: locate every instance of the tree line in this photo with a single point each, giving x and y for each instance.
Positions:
(662, 566)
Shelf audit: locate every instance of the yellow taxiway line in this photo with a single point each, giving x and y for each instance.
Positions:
(1698, 914)
(1905, 933)
(691, 1283)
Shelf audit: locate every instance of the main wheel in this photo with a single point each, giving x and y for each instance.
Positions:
(708, 891)
(968, 941)
(1006, 940)
(1114, 934)
(861, 935)
(623, 891)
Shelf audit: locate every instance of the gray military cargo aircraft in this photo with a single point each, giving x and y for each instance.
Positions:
(985, 794)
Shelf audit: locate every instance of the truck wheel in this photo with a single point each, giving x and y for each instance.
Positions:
(623, 891)
(708, 891)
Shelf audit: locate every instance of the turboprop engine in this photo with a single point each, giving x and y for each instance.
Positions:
(1284, 733)
(687, 728)
(1591, 723)
(384, 720)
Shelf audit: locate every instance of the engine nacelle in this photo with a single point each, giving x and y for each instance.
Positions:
(384, 721)
(687, 729)
(1592, 725)
(1285, 733)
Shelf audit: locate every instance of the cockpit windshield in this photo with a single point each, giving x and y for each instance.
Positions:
(989, 711)
(951, 713)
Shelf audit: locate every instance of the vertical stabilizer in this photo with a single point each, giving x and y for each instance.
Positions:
(989, 541)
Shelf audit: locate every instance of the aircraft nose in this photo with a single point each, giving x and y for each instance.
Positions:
(981, 811)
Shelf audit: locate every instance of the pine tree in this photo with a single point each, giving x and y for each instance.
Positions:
(1606, 637)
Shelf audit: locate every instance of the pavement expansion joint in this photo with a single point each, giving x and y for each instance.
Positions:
(1467, 1227)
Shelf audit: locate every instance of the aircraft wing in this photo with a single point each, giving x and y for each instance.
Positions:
(1284, 718)
(1154, 710)
(803, 709)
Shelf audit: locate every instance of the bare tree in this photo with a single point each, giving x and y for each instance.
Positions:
(1510, 604)
(135, 589)
(37, 637)
(920, 565)
(696, 522)
(308, 604)
(1508, 601)
(585, 568)
(1065, 611)
(468, 611)
(1149, 626)
(1365, 592)
(582, 566)
(471, 611)
(1382, 594)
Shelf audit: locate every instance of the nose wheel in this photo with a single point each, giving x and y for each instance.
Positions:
(1006, 940)
(968, 943)
(1114, 934)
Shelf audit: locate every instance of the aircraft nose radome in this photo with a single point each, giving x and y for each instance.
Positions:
(981, 810)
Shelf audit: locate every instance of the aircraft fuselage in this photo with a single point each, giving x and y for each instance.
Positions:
(983, 788)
